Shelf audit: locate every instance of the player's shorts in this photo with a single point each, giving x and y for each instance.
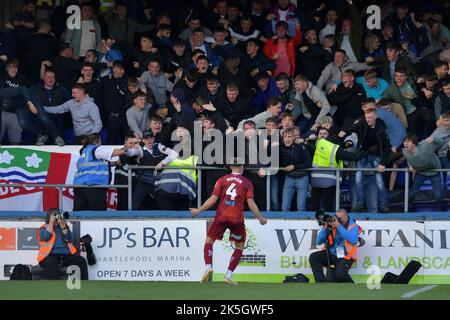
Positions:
(237, 230)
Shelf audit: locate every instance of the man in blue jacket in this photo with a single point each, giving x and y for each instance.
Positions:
(342, 235)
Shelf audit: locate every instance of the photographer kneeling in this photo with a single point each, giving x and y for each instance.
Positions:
(340, 235)
(55, 247)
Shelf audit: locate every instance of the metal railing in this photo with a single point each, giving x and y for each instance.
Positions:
(200, 169)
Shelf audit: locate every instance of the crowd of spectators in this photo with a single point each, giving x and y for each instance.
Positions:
(315, 71)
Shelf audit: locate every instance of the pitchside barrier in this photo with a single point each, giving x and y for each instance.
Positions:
(35, 178)
(168, 246)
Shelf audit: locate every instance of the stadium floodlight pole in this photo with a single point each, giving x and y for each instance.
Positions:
(406, 190)
(130, 187)
(338, 189)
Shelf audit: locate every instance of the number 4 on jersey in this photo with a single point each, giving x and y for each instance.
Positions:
(231, 191)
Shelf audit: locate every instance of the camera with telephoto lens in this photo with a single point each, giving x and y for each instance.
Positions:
(85, 242)
(58, 214)
(62, 215)
(323, 218)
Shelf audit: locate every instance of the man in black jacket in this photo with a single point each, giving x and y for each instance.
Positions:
(295, 158)
(313, 57)
(51, 94)
(67, 69)
(255, 61)
(233, 107)
(41, 46)
(372, 137)
(114, 89)
(347, 96)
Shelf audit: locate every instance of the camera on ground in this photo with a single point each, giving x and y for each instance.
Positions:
(86, 246)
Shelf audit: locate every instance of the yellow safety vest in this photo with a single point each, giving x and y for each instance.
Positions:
(325, 155)
(180, 181)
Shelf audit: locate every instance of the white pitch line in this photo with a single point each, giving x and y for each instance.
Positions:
(416, 292)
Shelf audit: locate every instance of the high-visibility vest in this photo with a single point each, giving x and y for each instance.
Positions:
(45, 247)
(325, 157)
(180, 181)
(91, 171)
(350, 249)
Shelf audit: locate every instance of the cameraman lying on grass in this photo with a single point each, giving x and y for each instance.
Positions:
(342, 234)
(55, 247)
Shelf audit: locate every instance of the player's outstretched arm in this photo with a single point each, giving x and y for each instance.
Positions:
(255, 210)
(208, 204)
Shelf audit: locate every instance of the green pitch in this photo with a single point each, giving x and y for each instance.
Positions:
(118, 290)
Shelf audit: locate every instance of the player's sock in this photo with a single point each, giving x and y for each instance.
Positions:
(208, 254)
(235, 258)
(229, 274)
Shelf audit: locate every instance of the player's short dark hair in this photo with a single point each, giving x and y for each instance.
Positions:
(235, 162)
